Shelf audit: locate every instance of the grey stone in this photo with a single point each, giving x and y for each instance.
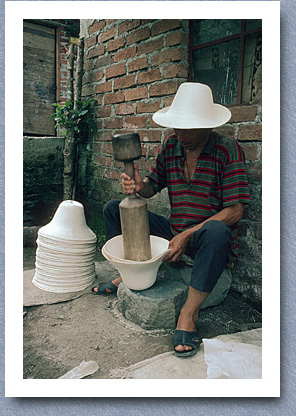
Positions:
(155, 308)
(219, 292)
(159, 306)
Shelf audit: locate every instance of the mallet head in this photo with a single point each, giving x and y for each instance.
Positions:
(127, 147)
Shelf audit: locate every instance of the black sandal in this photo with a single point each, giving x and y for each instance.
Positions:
(192, 339)
(102, 289)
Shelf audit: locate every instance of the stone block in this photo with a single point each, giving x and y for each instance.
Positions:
(218, 294)
(154, 308)
(159, 306)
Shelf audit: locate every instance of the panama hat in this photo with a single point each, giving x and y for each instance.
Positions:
(66, 249)
(192, 108)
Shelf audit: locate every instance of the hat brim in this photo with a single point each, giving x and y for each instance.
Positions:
(218, 116)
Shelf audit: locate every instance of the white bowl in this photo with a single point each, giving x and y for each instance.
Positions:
(114, 249)
(136, 275)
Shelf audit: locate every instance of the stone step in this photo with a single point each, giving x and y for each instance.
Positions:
(159, 306)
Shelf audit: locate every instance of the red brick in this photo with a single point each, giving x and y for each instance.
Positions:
(123, 109)
(153, 149)
(251, 151)
(99, 100)
(102, 160)
(88, 90)
(115, 44)
(144, 148)
(125, 82)
(165, 88)
(113, 123)
(175, 71)
(168, 101)
(135, 122)
(117, 163)
(116, 97)
(88, 65)
(105, 111)
(126, 53)
(99, 124)
(108, 148)
(136, 93)
(110, 21)
(150, 135)
(177, 38)
(128, 25)
(106, 60)
(243, 113)
(104, 135)
(97, 147)
(112, 174)
(96, 51)
(138, 35)
(153, 124)
(89, 42)
(107, 34)
(104, 87)
(149, 76)
(144, 164)
(150, 46)
(137, 64)
(254, 171)
(226, 131)
(169, 55)
(148, 107)
(164, 26)
(250, 132)
(96, 26)
(115, 70)
(93, 76)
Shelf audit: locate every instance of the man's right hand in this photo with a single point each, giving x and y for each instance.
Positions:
(129, 185)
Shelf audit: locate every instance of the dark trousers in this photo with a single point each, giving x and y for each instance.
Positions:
(209, 247)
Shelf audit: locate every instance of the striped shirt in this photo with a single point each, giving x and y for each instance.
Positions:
(219, 181)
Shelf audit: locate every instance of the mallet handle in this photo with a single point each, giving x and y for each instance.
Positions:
(129, 169)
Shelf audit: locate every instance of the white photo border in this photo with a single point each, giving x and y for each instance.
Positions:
(15, 385)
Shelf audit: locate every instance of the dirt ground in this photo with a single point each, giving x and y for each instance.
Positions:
(58, 337)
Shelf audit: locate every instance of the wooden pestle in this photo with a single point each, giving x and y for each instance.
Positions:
(133, 209)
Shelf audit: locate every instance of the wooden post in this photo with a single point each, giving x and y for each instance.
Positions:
(78, 89)
(79, 70)
(69, 149)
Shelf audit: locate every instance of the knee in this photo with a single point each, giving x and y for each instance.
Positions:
(111, 206)
(217, 232)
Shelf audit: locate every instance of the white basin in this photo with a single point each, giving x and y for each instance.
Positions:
(136, 275)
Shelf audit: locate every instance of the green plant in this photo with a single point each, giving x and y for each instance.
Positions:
(77, 115)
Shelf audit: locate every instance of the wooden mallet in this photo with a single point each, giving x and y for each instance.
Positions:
(133, 209)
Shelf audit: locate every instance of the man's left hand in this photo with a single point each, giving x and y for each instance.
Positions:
(177, 245)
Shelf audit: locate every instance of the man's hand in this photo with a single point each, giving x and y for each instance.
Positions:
(229, 215)
(142, 187)
(129, 185)
(177, 245)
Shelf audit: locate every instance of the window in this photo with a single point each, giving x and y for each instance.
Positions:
(226, 55)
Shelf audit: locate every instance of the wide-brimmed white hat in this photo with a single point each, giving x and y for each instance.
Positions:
(192, 108)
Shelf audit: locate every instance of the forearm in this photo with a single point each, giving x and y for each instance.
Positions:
(229, 216)
(146, 190)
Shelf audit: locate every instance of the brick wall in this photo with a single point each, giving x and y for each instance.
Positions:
(132, 69)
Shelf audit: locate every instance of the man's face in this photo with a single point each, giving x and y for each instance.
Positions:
(192, 138)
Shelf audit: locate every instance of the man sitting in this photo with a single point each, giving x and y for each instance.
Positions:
(207, 188)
